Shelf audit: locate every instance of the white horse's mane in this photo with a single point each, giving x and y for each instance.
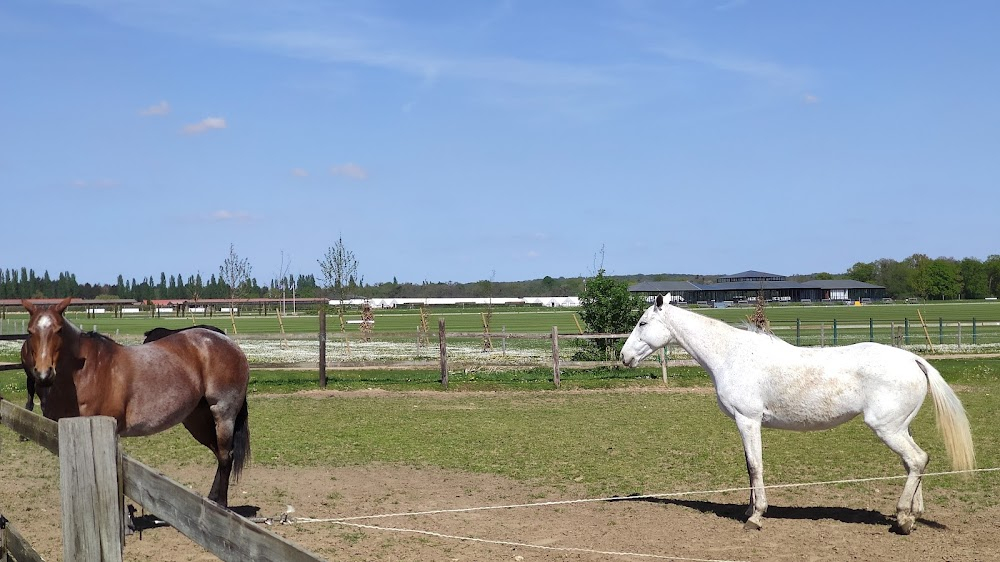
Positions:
(754, 328)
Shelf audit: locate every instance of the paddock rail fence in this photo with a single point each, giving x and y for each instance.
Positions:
(95, 477)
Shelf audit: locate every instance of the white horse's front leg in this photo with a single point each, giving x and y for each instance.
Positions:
(753, 450)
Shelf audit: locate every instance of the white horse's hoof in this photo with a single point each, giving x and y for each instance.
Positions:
(905, 523)
(751, 525)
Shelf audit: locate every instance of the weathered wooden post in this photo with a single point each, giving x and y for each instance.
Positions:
(92, 502)
(443, 347)
(322, 347)
(555, 355)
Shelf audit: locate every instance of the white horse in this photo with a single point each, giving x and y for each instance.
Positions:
(763, 381)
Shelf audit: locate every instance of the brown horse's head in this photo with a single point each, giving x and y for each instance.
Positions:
(40, 352)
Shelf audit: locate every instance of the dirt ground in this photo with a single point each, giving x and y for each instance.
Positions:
(850, 523)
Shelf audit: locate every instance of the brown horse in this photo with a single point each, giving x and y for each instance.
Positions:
(160, 333)
(196, 377)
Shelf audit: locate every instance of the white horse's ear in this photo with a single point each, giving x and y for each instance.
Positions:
(659, 301)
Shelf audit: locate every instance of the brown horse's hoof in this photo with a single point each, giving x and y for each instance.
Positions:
(751, 525)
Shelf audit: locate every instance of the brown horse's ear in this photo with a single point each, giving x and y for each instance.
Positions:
(59, 308)
(28, 306)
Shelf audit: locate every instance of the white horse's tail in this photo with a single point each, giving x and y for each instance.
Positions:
(951, 420)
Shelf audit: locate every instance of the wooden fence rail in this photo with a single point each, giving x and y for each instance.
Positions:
(218, 530)
(13, 546)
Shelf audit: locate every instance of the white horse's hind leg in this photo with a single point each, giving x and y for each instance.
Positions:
(753, 450)
(911, 501)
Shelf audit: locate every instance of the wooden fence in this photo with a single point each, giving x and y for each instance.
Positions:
(442, 362)
(95, 477)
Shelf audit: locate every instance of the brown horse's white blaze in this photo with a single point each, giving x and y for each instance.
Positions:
(197, 377)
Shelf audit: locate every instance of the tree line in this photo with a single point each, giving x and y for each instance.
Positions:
(932, 279)
(25, 283)
(915, 276)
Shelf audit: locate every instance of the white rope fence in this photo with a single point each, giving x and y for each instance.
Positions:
(351, 521)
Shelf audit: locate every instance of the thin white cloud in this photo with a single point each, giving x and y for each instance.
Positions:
(161, 108)
(223, 215)
(350, 48)
(349, 170)
(300, 173)
(731, 4)
(96, 184)
(204, 125)
(810, 98)
(734, 63)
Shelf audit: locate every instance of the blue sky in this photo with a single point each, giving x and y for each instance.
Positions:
(463, 140)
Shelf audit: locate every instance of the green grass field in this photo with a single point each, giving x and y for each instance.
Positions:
(614, 442)
(530, 319)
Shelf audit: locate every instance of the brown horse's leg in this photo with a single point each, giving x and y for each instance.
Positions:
(202, 425)
(30, 385)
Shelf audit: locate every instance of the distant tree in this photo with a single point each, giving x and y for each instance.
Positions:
(941, 279)
(992, 269)
(607, 306)
(975, 280)
(918, 265)
(339, 267)
(235, 272)
(895, 277)
(864, 272)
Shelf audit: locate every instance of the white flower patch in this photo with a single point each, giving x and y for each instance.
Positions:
(303, 351)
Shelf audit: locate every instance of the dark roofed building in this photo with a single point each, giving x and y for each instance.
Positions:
(743, 287)
(750, 276)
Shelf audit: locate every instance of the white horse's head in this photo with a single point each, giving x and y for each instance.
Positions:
(649, 334)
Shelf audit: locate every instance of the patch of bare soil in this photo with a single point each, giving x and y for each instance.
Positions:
(851, 523)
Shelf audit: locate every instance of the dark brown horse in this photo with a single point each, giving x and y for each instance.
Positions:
(160, 333)
(197, 377)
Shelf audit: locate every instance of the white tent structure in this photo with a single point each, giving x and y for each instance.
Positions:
(472, 301)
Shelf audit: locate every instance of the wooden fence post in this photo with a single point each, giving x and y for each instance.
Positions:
(322, 347)
(555, 355)
(92, 503)
(443, 346)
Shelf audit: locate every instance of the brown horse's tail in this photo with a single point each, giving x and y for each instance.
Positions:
(241, 441)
